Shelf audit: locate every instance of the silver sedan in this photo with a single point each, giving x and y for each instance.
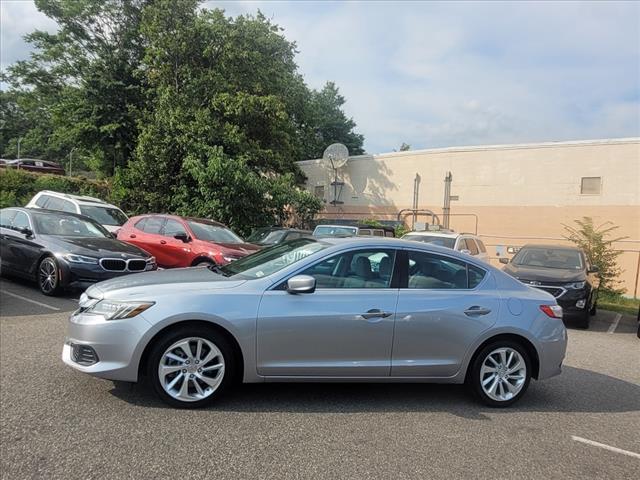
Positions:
(309, 310)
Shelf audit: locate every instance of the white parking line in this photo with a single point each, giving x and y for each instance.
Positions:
(606, 447)
(614, 325)
(29, 300)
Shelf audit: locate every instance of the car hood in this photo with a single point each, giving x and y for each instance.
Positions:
(98, 247)
(542, 274)
(177, 279)
(241, 248)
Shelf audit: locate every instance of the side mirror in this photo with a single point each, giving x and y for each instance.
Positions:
(182, 236)
(593, 269)
(504, 260)
(465, 251)
(301, 284)
(27, 232)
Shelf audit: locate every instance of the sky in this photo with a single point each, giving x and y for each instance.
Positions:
(450, 74)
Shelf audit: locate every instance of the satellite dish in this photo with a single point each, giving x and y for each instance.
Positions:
(336, 154)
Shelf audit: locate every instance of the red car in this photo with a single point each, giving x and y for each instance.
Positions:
(34, 165)
(184, 241)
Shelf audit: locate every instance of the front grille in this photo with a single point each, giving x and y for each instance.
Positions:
(136, 265)
(83, 354)
(120, 265)
(555, 291)
(113, 264)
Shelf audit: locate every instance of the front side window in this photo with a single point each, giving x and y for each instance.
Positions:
(429, 271)
(20, 221)
(173, 227)
(104, 215)
(480, 243)
(355, 269)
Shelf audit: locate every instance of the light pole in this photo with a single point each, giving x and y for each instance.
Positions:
(19, 141)
(71, 159)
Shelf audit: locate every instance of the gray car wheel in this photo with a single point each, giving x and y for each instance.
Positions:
(49, 276)
(500, 373)
(191, 367)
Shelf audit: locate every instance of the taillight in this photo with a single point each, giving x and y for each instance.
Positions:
(552, 311)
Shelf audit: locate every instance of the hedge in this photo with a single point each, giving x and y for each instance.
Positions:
(17, 187)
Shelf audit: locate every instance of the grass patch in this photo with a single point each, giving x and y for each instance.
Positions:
(618, 303)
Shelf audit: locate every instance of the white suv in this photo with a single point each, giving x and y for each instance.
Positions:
(463, 242)
(107, 215)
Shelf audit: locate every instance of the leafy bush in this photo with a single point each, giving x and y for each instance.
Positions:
(596, 244)
(17, 187)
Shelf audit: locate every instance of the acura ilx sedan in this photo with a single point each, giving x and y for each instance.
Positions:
(311, 310)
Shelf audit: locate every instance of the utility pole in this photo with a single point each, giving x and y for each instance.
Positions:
(19, 141)
(71, 159)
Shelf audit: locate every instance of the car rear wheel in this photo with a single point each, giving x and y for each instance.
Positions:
(191, 367)
(49, 276)
(500, 373)
(204, 262)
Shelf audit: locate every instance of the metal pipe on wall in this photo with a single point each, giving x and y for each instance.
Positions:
(446, 208)
(416, 192)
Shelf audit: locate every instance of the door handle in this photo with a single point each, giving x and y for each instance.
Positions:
(375, 313)
(133, 235)
(476, 311)
(163, 242)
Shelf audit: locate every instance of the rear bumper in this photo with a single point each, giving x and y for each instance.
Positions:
(552, 355)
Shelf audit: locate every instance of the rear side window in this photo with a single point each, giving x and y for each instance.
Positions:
(153, 225)
(60, 205)
(42, 200)
(481, 245)
(471, 246)
(435, 272)
(140, 224)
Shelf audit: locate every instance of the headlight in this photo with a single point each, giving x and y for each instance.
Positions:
(73, 258)
(113, 310)
(151, 263)
(575, 285)
(86, 301)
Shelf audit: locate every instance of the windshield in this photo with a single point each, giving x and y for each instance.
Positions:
(441, 241)
(334, 231)
(104, 215)
(61, 224)
(213, 233)
(549, 258)
(272, 259)
(266, 236)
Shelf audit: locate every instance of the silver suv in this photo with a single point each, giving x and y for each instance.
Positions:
(462, 242)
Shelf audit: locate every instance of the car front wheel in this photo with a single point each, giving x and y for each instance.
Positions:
(49, 276)
(500, 373)
(191, 367)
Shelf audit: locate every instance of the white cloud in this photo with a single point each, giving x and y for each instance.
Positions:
(439, 74)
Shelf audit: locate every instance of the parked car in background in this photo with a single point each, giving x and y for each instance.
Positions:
(185, 241)
(562, 271)
(274, 235)
(107, 215)
(34, 165)
(353, 231)
(60, 250)
(462, 242)
(333, 309)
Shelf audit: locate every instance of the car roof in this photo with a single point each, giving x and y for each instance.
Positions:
(551, 247)
(80, 199)
(178, 217)
(436, 233)
(44, 211)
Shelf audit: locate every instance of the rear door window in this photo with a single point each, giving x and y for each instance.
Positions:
(6, 216)
(436, 272)
(153, 225)
(471, 246)
(140, 224)
(61, 205)
(42, 200)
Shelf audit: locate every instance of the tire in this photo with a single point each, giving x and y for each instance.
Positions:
(203, 262)
(584, 319)
(491, 357)
(594, 309)
(202, 387)
(48, 276)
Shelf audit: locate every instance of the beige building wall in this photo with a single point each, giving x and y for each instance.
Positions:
(517, 194)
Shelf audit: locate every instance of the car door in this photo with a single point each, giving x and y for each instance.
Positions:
(147, 235)
(343, 329)
(19, 251)
(6, 237)
(174, 251)
(444, 304)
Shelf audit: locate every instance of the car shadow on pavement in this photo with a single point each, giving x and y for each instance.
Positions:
(576, 390)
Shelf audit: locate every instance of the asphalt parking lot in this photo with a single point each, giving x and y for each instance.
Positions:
(57, 423)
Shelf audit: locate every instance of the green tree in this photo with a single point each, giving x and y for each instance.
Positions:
(405, 147)
(597, 245)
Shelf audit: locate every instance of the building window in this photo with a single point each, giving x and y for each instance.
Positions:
(318, 191)
(590, 185)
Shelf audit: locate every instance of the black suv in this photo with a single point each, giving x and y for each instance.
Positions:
(562, 271)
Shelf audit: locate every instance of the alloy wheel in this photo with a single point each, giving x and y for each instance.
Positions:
(191, 369)
(48, 275)
(503, 374)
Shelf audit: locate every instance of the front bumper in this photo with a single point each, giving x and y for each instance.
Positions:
(574, 302)
(115, 343)
(79, 275)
